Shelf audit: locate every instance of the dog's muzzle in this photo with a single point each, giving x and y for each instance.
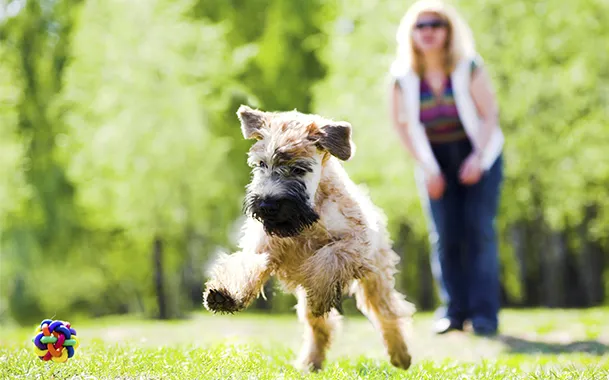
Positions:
(273, 209)
(283, 217)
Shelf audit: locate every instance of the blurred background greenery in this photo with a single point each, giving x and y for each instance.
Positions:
(123, 168)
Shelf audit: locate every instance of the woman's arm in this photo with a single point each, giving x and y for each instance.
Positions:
(435, 181)
(399, 119)
(485, 100)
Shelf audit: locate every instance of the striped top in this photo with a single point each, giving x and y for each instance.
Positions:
(439, 115)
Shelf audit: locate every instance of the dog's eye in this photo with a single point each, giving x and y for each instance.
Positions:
(262, 164)
(298, 171)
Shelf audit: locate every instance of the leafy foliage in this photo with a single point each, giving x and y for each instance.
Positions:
(118, 129)
(147, 98)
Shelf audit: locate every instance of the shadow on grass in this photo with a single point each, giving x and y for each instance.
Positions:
(524, 346)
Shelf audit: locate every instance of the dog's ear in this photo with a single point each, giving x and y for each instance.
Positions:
(251, 122)
(335, 137)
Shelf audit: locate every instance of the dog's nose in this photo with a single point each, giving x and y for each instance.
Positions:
(269, 207)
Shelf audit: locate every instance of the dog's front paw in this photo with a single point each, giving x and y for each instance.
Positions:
(218, 300)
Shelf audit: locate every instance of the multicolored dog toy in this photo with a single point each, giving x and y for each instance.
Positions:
(55, 340)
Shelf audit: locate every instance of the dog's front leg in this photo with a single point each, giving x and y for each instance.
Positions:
(235, 280)
(328, 271)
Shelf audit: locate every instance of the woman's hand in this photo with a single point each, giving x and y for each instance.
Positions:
(471, 169)
(436, 186)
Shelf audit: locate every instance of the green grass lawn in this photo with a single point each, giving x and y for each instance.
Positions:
(556, 344)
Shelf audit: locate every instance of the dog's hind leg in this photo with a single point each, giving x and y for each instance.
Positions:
(388, 311)
(318, 334)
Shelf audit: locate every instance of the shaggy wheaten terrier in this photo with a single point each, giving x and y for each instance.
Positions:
(313, 229)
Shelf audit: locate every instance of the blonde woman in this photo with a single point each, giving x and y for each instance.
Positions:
(445, 112)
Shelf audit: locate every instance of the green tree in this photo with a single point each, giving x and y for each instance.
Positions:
(14, 189)
(35, 43)
(140, 103)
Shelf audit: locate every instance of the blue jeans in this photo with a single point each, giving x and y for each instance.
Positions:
(464, 255)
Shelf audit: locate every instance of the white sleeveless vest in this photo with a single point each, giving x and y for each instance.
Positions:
(409, 82)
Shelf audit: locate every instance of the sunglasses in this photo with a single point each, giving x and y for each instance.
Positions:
(434, 24)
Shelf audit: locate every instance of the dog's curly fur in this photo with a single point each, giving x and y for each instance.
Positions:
(321, 236)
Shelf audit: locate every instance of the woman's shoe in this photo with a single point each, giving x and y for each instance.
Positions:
(444, 325)
(482, 327)
(485, 331)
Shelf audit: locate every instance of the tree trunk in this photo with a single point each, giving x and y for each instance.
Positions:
(536, 247)
(534, 265)
(410, 274)
(191, 276)
(159, 279)
(555, 255)
(590, 262)
(426, 285)
(518, 239)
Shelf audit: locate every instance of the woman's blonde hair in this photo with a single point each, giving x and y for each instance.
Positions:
(459, 39)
